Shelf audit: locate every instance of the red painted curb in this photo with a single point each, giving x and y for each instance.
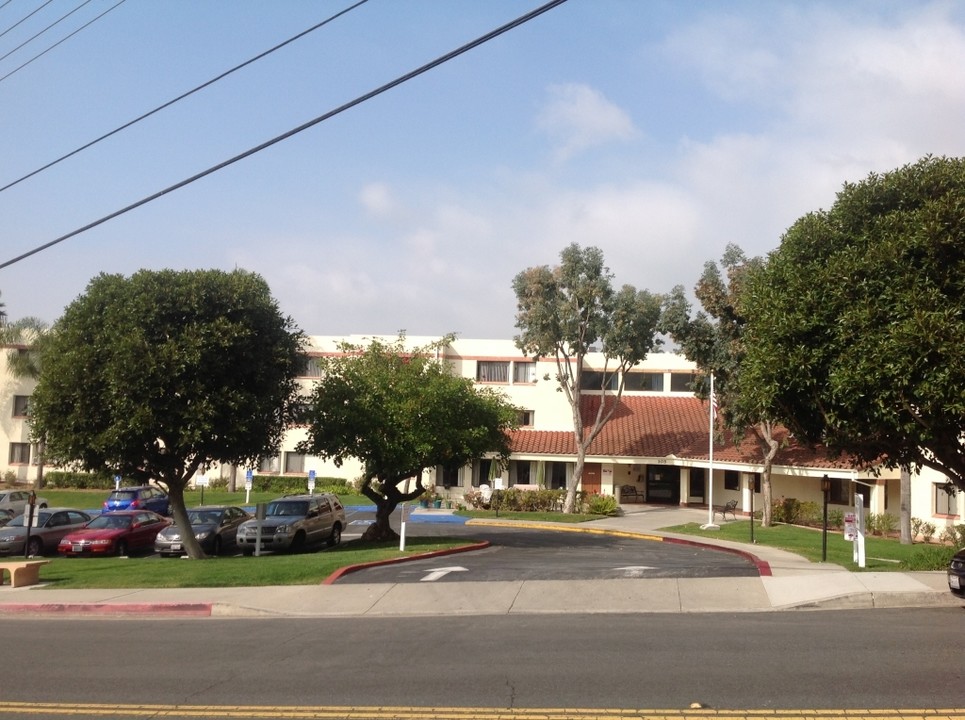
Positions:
(331, 579)
(763, 567)
(191, 609)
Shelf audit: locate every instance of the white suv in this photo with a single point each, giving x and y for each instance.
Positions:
(294, 522)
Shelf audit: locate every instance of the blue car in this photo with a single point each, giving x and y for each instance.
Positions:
(143, 497)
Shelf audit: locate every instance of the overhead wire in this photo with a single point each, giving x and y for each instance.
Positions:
(182, 96)
(482, 39)
(25, 18)
(38, 34)
(59, 42)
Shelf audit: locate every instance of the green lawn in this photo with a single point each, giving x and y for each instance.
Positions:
(880, 553)
(532, 516)
(307, 568)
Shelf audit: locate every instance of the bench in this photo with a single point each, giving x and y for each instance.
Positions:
(729, 507)
(22, 572)
(630, 494)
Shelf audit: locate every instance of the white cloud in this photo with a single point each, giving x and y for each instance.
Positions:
(577, 117)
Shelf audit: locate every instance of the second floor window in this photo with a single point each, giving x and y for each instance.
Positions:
(524, 372)
(492, 371)
(21, 405)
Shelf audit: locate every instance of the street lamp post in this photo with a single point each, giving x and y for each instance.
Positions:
(825, 489)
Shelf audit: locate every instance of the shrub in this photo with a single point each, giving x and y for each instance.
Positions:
(927, 531)
(836, 519)
(887, 523)
(810, 513)
(64, 479)
(603, 505)
(916, 526)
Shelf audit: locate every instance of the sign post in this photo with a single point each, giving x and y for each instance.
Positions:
(248, 478)
(311, 482)
(402, 531)
(202, 482)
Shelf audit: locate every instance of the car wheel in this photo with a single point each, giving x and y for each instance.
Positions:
(216, 546)
(247, 551)
(336, 537)
(298, 542)
(36, 546)
(43, 506)
(121, 548)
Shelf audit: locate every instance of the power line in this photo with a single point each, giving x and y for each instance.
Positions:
(64, 39)
(182, 96)
(522, 19)
(24, 19)
(37, 35)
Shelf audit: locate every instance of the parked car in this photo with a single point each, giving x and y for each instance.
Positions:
(46, 529)
(215, 527)
(294, 522)
(5, 517)
(956, 574)
(16, 501)
(142, 497)
(114, 533)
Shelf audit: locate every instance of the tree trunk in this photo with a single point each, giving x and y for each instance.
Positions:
(180, 514)
(570, 503)
(770, 452)
(904, 505)
(380, 530)
(41, 451)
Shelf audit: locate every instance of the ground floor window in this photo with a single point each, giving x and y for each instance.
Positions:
(946, 499)
(294, 462)
(520, 472)
(450, 476)
(270, 465)
(840, 492)
(698, 483)
(663, 484)
(731, 480)
(19, 453)
(557, 475)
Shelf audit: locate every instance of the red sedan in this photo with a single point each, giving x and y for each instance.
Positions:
(114, 533)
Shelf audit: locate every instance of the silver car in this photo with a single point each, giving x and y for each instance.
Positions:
(18, 500)
(294, 522)
(214, 526)
(47, 528)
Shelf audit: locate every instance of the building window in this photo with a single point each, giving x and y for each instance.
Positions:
(557, 473)
(731, 480)
(519, 472)
(21, 405)
(682, 382)
(270, 465)
(294, 462)
(485, 469)
(19, 453)
(525, 418)
(648, 381)
(946, 499)
(491, 371)
(524, 372)
(593, 380)
(313, 368)
(450, 476)
(840, 492)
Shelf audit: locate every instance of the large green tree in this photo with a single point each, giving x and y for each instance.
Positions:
(400, 412)
(29, 337)
(564, 312)
(857, 323)
(159, 375)
(714, 339)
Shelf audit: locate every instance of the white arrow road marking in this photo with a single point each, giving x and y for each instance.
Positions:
(441, 572)
(635, 570)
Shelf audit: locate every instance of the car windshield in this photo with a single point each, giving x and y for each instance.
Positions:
(204, 517)
(122, 495)
(110, 522)
(293, 508)
(21, 520)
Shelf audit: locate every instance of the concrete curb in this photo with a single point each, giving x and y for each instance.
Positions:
(331, 579)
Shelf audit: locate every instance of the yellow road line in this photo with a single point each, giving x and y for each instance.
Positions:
(460, 713)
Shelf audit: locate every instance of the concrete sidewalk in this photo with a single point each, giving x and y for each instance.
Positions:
(787, 582)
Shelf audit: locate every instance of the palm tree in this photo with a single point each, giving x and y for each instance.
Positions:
(25, 340)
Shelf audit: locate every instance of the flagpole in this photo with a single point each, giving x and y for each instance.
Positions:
(710, 473)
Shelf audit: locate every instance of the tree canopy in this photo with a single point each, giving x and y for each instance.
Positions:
(562, 312)
(401, 411)
(161, 374)
(857, 322)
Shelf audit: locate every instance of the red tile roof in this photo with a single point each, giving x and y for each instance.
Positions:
(660, 426)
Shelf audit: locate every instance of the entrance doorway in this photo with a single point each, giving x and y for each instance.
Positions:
(592, 481)
(663, 484)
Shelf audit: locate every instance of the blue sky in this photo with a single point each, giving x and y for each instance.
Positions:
(656, 131)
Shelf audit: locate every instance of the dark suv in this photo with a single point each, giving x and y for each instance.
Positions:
(294, 522)
(142, 497)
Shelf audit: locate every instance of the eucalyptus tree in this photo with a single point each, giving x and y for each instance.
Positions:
(563, 312)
